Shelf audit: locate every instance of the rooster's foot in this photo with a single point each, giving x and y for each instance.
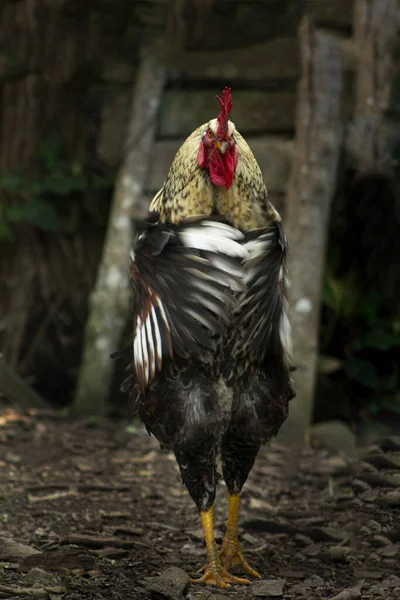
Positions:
(215, 574)
(231, 555)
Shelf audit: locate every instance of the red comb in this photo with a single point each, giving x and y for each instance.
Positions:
(226, 107)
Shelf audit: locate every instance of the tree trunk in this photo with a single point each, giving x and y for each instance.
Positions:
(310, 191)
(372, 134)
(110, 299)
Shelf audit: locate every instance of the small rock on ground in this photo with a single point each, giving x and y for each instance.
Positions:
(172, 584)
(313, 581)
(267, 589)
(352, 593)
(333, 435)
(10, 549)
(41, 577)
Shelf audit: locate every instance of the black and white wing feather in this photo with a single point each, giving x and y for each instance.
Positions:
(262, 326)
(185, 279)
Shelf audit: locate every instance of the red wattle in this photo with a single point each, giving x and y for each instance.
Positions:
(229, 169)
(221, 168)
(217, 170)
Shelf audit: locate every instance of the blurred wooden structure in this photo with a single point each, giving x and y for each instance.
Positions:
(311, 189)
(111, 297)
(375, 126)
(70, 67)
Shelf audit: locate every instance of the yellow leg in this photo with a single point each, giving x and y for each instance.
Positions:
(231, 553)
(214, 572)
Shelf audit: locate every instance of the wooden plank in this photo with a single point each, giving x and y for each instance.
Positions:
(277, 59)
(238, 23)
(319, 137)
(261, 111)
(255, 111)
(332, 13)
(274, 156)
(372, 135)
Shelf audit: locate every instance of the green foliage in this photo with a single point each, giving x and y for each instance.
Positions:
(377, 339)
(38, 212)
(57, 198)
(362, 371)
(132, 429)
(371, 348)
(341, 295)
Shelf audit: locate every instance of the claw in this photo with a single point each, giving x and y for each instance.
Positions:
(231, 555)
(215, 574)
(201, 570)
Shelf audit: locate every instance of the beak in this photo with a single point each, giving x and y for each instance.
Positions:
(221, 146)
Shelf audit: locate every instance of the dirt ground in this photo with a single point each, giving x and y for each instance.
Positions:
(106, 511)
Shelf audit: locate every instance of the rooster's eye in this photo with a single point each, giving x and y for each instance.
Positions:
(210, 133)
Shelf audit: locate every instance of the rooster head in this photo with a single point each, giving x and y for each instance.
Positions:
(217, 150)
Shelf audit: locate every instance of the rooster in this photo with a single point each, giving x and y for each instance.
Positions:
(211, 336)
